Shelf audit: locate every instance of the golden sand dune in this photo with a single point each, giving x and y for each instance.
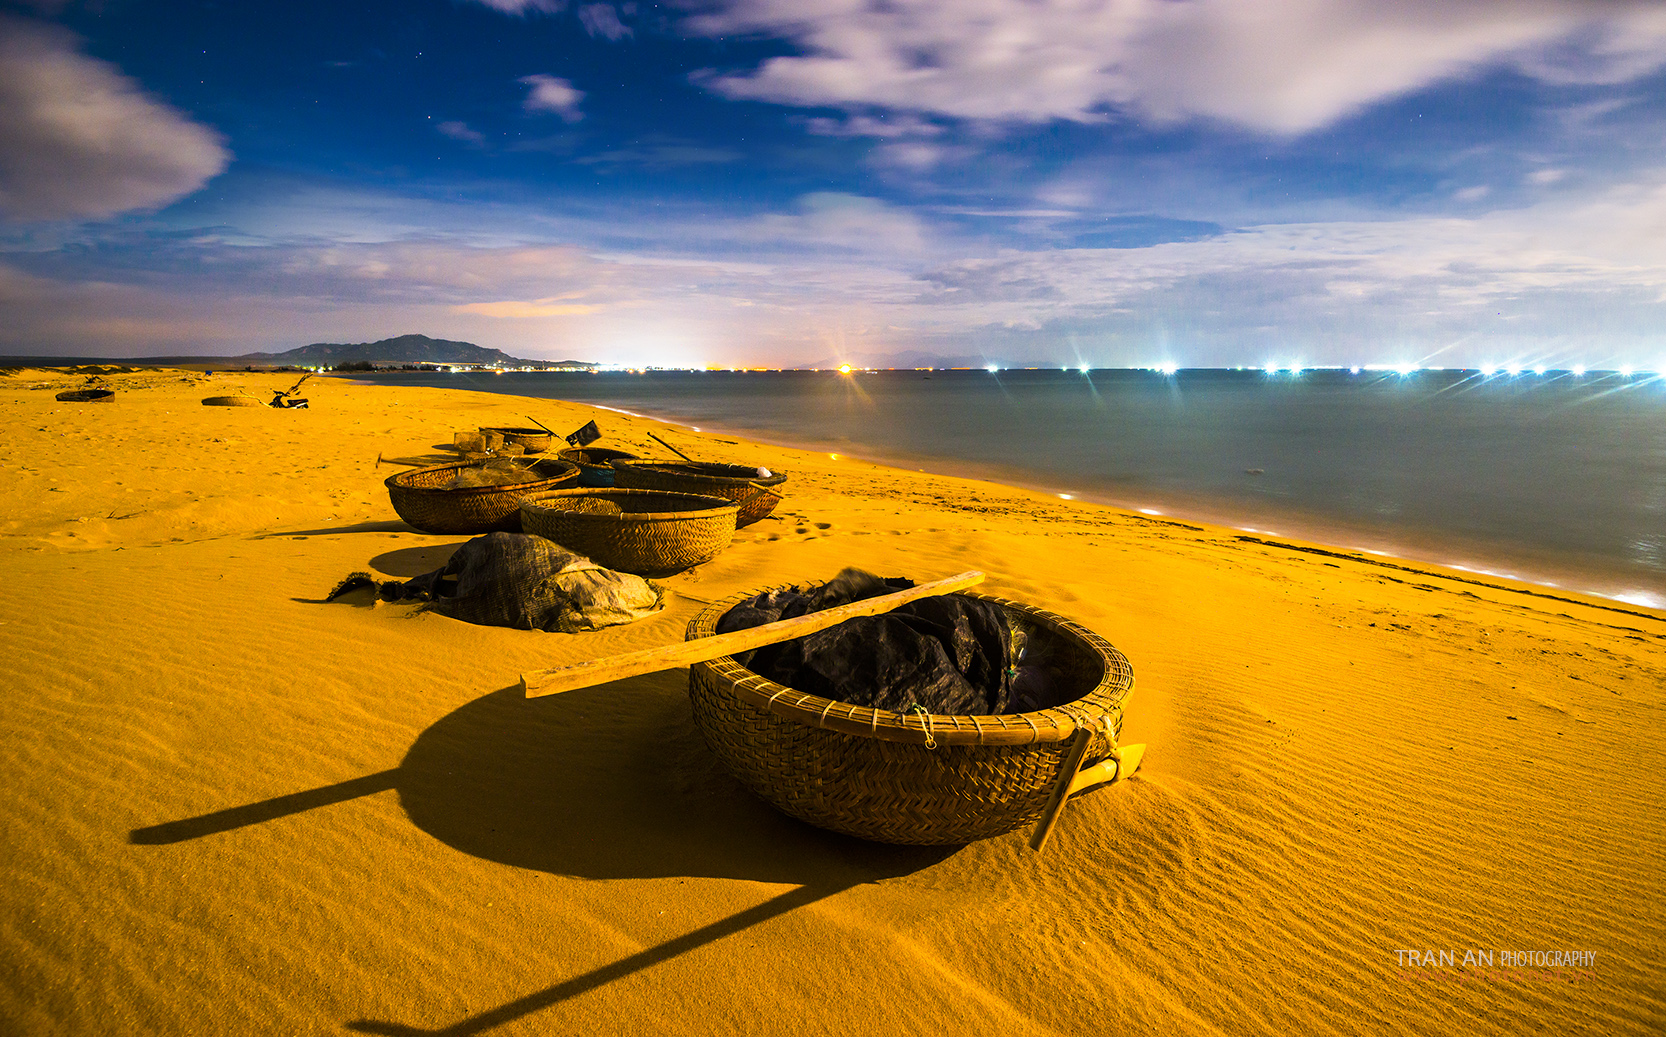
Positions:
(229, 808)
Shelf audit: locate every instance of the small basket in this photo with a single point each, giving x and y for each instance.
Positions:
(923, 779)
(532, 440)
(419, 499)
(646, 532)
(734, 482)
(594, 463)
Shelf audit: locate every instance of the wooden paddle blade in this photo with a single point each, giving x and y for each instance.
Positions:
(651, 660)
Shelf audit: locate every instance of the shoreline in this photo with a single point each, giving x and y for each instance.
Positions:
(1427, 547)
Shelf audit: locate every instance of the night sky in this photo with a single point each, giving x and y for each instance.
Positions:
(784, 182)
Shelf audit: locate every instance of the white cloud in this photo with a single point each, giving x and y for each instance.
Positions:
(553, 94)
(79, 139)
(603, 20)
(460, 131)
(524, 6)
(1284, 67)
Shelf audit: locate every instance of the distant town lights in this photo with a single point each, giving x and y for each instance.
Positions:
(1579, 371)
(1167, 368)
(992, 369)
(844, 368)
(1538, 369)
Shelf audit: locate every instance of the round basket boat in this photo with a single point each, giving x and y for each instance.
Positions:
(595, 463)
(86, 396)
(531, 440)
(736, 482)
(420, 499)
(925, 779)
(646, 532)
(231, 401)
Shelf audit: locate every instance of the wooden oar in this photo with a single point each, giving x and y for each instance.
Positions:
(543, 426)
(651, 660)
(671, 448)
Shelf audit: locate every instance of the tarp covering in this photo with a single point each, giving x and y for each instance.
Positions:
(947, 654)
(525, 582)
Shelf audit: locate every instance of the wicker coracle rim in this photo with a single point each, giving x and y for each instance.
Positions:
(715, 505)
(681, 469)
(400, 480)
(1056, 724)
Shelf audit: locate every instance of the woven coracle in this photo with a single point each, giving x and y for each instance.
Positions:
(737, 482)
(231, 401)
(532, 440)
(646, 532)
(419, 500)
(594, 464)
(924, 779)
(86, 396)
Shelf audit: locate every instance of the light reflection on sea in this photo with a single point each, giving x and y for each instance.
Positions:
(1557, 479)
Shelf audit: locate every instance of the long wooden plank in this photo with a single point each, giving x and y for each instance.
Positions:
(651, 660)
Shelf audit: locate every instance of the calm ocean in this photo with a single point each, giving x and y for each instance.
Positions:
(1555, 478)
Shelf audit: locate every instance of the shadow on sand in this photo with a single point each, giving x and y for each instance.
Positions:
(604, 783)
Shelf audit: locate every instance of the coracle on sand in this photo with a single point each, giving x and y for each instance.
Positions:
(921, 778)
(435, 499)
(748, 487)
(647, 532)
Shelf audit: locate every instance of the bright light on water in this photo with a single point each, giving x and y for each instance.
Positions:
(1167, 368)
(992, 369)
(1406, 369)
(844, 368)
(1083, 369)
(1489, 370)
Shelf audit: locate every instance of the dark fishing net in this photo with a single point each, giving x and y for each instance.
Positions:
(948, 654)
(525, 582)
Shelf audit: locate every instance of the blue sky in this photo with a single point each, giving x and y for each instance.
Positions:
(779, 182)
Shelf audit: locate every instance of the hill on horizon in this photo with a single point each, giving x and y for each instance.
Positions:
(404, 349)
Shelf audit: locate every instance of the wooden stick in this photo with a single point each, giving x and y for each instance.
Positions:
(541, 425)
(651, 660)
(671, 448)
(1073, 754)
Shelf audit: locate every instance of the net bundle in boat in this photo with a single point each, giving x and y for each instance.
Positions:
(918, 778)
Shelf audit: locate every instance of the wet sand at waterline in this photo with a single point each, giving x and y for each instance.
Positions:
(230, 808)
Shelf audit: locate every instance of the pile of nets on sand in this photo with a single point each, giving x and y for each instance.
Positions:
(524, 582)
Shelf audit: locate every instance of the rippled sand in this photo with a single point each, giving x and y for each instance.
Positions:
(228, 808)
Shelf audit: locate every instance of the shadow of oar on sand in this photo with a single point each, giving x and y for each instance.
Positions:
(607, 782)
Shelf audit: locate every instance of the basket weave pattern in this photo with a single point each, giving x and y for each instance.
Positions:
(871, 773)
(646, 532)
(419, 500)
(732, 482)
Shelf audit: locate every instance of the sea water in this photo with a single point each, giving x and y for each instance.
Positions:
(1554, 478)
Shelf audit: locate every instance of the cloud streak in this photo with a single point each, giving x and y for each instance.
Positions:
(1281, 68)
(80, 140)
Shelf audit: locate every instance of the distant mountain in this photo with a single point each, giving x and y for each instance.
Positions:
(406, 349)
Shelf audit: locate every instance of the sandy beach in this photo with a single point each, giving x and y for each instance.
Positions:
(232, 808)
